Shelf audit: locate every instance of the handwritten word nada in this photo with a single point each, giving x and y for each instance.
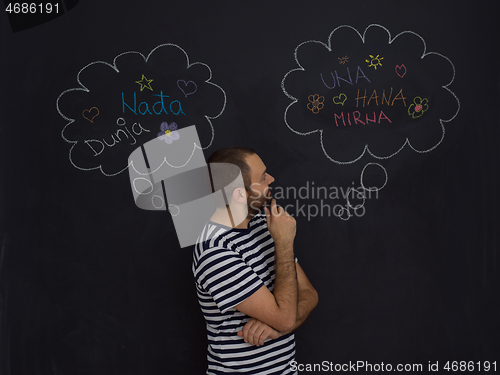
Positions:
(120, 135)
(158, 108)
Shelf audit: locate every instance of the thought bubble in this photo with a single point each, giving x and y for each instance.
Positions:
(370, 93)
(123, 105)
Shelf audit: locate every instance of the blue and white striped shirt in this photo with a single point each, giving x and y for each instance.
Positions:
(229, 265)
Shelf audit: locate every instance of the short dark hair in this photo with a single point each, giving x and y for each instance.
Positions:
(233, 155)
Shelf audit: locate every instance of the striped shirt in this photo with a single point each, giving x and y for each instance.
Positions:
(229, 265)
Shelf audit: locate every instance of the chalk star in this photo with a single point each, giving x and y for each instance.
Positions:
(145, 85)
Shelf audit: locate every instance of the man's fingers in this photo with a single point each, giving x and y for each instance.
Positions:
(274, 207)
(277, 210)
(255, 337)
(268, 215)
(256, 332)
(273, 203)
(247, 330)
(252, 331)
(263, 338)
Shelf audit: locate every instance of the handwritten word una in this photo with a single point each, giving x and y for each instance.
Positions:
(158, 107)
(337, 78)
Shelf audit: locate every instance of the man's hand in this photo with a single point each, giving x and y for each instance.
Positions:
(256, 332)
(281, 225)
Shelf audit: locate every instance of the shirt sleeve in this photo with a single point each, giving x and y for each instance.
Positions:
(226, 277)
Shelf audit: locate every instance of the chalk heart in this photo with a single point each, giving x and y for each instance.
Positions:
(90, 114)
(187, 88)
(340, 99)
(401, 70)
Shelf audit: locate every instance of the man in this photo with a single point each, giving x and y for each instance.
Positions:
(252, 291)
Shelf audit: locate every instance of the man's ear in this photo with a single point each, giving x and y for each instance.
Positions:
(240, 195)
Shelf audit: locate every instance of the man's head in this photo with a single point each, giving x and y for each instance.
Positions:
(255, 177)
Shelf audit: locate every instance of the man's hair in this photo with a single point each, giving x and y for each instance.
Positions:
(232, 155)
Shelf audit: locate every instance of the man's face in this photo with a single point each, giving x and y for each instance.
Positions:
(259, 187)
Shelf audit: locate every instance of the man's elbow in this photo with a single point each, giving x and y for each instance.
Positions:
(287, 324)
(315, 298)
(286, 320)
(310, 296)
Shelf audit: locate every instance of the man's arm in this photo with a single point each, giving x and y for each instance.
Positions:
(307, 299)
(277, 309)
(256, 332)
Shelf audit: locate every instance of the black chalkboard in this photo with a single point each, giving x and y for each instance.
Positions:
(378, 121)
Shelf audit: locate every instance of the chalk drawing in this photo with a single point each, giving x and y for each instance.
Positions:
(340, 99)
(168, 133)
(418, 107)
(315, 103)
(350, 210)
(374, 61)
(343, 60)
(401, 70)
(355, 103)
(187, 88)
(90, 114)
(131, 127)
(145, 83)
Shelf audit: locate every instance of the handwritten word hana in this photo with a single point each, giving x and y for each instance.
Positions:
(384, 99)
(158, 107)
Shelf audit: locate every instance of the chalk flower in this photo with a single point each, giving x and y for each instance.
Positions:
(418, 107)
(315, 103)
(168, 133)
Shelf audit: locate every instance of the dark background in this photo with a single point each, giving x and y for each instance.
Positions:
(90, 284)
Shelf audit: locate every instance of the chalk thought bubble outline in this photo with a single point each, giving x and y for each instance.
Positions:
(366, 148)
(114, 67)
